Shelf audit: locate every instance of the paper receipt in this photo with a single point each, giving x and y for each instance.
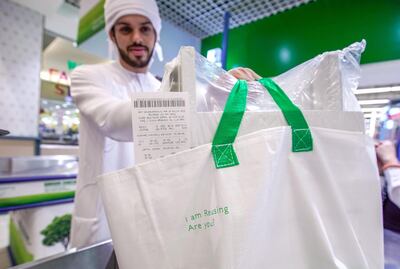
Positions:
(161, 124)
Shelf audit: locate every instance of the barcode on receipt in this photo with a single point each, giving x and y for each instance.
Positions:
(144, 103)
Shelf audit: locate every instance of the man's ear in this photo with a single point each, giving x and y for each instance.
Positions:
(111, 34)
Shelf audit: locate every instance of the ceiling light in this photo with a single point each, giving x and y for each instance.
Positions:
(377, 90)
(374, 102)
(368, 115)
(373, 109)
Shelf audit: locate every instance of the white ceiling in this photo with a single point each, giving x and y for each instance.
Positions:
(200, 18)
(206, 18)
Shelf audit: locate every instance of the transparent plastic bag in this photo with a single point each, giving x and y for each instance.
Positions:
(325, 82)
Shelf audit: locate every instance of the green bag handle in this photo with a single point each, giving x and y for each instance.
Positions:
(222, 145)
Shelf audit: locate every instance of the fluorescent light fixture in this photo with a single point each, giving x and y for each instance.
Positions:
(368, 115)
(377, 90)
(372, 123)
(372, 115)
(374, 102)
(373, 109)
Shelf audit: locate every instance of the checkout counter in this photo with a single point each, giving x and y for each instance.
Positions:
(40, 182)
(99, 256)
(27, 182)
(34, 191)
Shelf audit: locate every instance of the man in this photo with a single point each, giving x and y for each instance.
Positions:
(389, 166)
(101, 93)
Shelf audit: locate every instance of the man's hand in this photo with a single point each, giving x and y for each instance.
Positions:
(244, 73)
(385, 153)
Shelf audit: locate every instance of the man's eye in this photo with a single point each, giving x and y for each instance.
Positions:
(125, 30)
(145, 29)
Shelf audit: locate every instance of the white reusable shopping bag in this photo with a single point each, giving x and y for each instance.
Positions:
(302, 196)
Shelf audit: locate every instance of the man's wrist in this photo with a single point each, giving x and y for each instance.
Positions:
(390, 165)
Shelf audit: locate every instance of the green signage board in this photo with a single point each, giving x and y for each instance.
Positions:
(91, 22)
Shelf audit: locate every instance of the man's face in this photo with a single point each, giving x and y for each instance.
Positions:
(135, 38)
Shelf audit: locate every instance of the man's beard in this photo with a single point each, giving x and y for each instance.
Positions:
(136, 62)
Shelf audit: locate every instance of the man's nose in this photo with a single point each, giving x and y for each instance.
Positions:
(137, 37)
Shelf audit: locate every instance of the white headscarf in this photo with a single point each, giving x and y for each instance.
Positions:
(115, 9)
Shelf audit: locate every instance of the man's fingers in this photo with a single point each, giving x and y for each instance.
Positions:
(249, 74)
(244, 73)
(254, 75)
